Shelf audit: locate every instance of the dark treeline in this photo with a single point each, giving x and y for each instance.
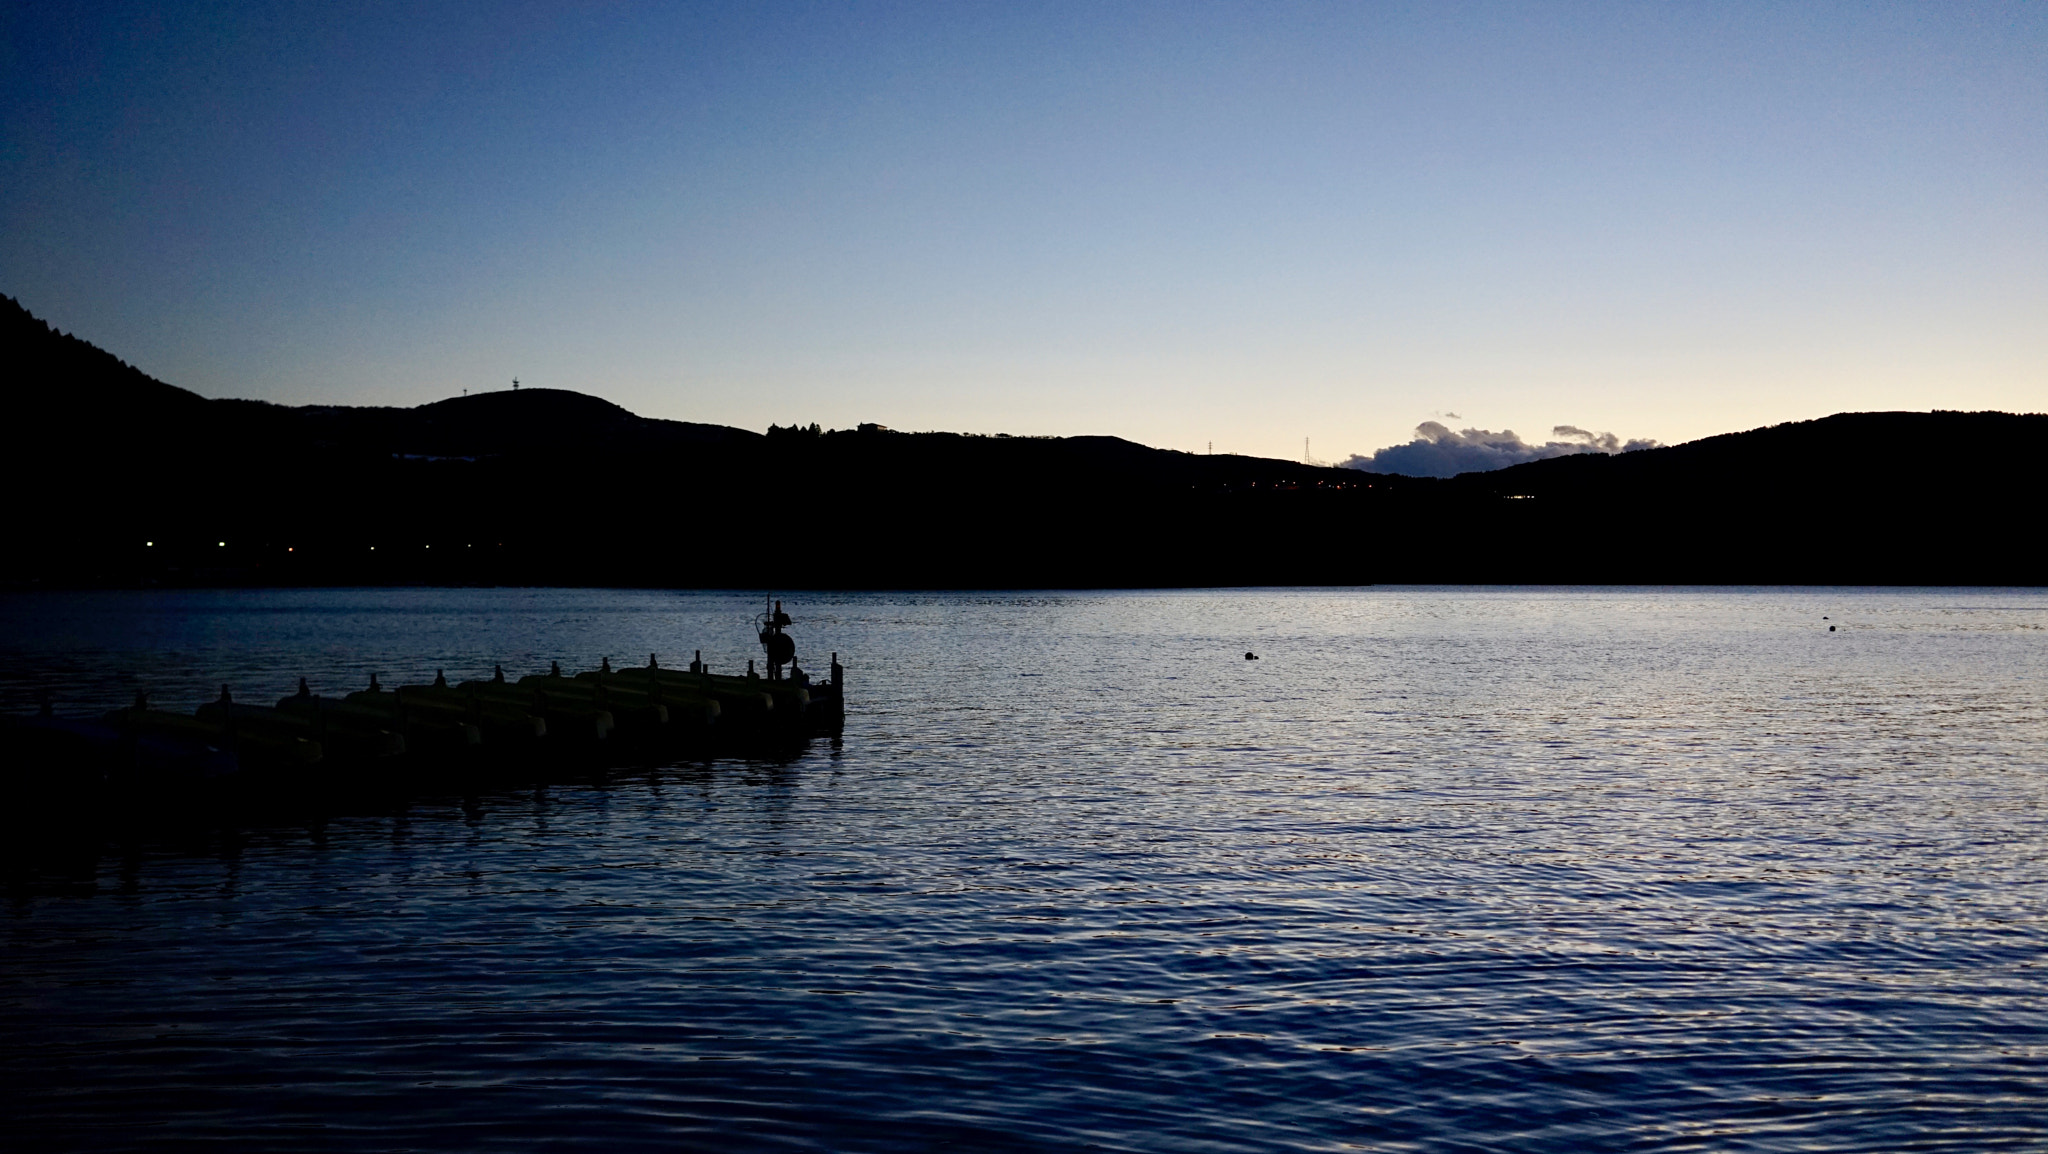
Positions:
(120, 479)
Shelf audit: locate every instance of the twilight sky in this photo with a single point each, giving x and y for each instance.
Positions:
(1180, 223)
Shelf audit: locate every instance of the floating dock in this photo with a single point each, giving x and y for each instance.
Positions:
(386, 740)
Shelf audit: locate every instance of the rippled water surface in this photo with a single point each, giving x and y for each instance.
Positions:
(1444, 870)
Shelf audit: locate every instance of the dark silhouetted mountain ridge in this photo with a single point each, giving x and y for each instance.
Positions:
(1848, 456)
(124, 478)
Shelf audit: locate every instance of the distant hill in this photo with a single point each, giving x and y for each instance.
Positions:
(120, 478)
(1846, 457)
(1882, 497)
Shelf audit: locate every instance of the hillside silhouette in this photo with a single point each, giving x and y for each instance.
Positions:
(123, 479)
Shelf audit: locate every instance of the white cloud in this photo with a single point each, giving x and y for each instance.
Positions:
(1438, 451)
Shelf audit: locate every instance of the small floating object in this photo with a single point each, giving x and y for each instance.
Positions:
(1831, 629)
(1250, 656)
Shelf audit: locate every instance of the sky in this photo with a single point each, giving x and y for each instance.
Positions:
(1189, 224)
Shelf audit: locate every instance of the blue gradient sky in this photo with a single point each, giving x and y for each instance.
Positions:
(1179, 223)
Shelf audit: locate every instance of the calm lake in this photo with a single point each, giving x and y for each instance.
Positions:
(1443, 870)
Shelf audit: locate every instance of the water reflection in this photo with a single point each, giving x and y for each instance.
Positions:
(1444, 870)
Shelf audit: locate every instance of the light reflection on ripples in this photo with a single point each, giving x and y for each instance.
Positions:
(1445, 870)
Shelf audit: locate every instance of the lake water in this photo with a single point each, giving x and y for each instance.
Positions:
(1444, 870)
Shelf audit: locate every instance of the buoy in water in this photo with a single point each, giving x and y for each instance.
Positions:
(1250, 656)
